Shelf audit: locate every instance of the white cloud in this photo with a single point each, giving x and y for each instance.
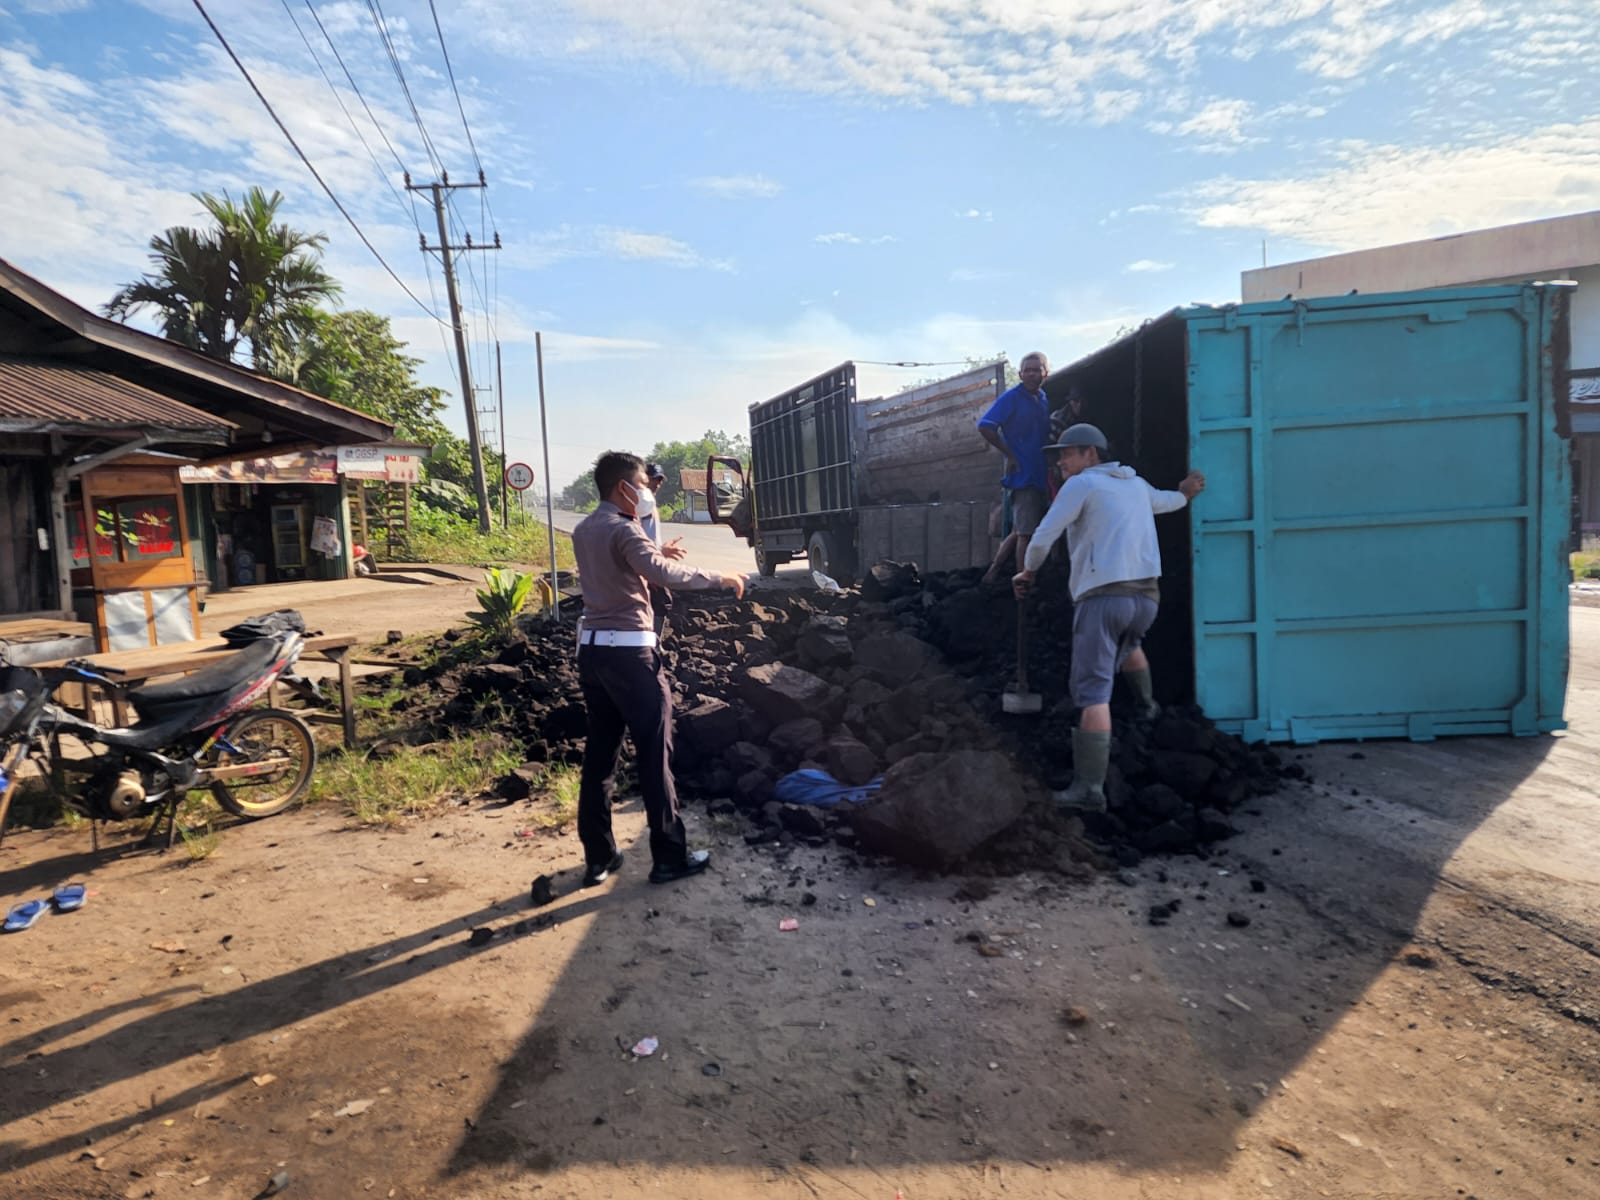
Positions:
(851, 239)
(737, 187)
(1097, 60)
(1148, 266)
(655, 247)
(973, 214)
(1374, 195)
(978, 274)
(1219, 120)
(562, 347)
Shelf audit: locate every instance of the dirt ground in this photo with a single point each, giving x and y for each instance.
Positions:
(1412, 1009)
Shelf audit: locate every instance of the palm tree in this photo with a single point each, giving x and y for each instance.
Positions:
(248, 278)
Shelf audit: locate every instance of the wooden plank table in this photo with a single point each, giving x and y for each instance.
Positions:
(141, 666)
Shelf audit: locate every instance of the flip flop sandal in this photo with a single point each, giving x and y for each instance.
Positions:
(22, 916)
(69, 897)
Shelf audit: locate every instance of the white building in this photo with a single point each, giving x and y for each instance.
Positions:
(1558, 248)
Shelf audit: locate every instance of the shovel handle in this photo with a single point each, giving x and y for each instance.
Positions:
(1022, 646)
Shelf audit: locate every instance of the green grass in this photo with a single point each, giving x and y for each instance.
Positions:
(556, 801)
(456, 541)
(1586, 564)
(415, 782)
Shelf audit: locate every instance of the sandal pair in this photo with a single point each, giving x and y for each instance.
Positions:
(67, 898)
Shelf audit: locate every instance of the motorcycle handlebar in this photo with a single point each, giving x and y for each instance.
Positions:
(83, 664)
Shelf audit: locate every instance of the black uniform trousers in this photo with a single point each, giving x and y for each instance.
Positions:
(625, 689)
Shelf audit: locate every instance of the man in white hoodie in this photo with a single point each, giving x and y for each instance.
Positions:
(1108, 514)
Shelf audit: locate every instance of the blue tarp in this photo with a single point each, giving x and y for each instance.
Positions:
(821, 790)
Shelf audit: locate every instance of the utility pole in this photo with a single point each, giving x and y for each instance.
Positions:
(500, 399)
(467, 396)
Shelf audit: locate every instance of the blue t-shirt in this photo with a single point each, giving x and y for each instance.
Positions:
(1024, 422)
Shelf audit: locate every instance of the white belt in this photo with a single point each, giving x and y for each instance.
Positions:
(616, 637)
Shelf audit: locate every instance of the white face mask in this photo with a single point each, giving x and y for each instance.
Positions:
(644, 500)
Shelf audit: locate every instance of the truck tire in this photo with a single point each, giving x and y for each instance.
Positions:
(768, 562)
(826, 556)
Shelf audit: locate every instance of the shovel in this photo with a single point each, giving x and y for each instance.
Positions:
(1017, 700)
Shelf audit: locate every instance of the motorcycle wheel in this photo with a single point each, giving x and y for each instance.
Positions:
(263, 735)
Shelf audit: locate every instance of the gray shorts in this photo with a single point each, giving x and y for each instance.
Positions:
(1105, 630)
(1028, 506)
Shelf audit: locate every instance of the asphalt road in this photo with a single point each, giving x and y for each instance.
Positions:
(711, 547)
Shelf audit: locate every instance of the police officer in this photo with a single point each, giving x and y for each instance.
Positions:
(619, 669)
(1108, 514)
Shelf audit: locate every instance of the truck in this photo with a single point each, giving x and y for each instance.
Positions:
(843, 482)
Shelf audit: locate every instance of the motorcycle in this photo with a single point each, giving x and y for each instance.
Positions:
(197, 732)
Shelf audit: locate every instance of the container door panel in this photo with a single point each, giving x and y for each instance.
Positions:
(1373, 555)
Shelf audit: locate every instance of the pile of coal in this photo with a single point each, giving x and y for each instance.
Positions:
(899, 681)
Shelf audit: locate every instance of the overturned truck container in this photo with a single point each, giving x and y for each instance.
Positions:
(843, 483)
(1381, 547)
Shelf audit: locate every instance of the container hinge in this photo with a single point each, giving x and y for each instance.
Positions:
(1299, 323)
(1230, 318)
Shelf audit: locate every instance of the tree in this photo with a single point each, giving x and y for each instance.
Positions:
(354, 359)
(676, 457)
(247, 278)
(580, 495)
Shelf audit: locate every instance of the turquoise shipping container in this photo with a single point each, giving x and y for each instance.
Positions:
(1381, 550)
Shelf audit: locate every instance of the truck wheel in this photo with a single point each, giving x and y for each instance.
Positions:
(823, 551)
(768, 563)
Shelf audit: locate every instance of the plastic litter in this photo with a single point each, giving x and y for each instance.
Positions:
(645, 1047)
(788, 925)
(826, 583)
(821, 790)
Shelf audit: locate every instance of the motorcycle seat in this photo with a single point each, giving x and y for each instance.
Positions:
(241, 667)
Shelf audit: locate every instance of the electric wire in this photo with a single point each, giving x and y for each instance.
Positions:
(382, 24)
(355, 128)
(315, 174)
(410, 197)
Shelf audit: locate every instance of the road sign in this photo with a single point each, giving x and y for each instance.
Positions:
(519, 476)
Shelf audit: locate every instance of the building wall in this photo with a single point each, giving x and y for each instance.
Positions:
(1533, 250)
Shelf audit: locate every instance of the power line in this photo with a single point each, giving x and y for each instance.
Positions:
(284, 129)
(411, 204)
(382, 24)
(356, 129)
(485, 208)
(450, 71)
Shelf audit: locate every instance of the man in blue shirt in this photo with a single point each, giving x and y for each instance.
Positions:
(1018, 425)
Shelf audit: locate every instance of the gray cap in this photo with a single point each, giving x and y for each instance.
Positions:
(1081, 434)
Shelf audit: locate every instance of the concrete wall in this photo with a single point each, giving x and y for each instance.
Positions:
(1533, 250)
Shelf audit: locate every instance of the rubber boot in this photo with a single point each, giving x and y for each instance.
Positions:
(1091, 757)
(1144, 693)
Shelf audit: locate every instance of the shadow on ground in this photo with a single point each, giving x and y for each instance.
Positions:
(802, 1064)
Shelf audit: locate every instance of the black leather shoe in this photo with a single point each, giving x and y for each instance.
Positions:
(598, 875)
(697, 861)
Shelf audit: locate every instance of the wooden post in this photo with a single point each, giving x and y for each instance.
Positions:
(347, 695)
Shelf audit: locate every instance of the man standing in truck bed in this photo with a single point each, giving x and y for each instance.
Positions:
(1018, 425)
(1108, 515)
(619, 670)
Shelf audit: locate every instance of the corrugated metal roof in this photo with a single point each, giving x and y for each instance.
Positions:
(50, 393)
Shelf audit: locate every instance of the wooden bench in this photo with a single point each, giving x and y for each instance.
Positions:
(141, 666)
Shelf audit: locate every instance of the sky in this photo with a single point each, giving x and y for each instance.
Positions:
(703, 203)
